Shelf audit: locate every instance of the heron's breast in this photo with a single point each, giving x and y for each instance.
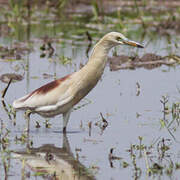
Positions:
(82, 92)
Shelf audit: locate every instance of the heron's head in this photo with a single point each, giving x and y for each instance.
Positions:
(116, 38)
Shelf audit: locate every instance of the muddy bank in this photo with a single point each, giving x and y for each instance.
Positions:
(147, 61)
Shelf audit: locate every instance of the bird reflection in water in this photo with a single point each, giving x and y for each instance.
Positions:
(54, 162)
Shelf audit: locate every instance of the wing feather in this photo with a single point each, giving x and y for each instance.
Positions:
(50, 94)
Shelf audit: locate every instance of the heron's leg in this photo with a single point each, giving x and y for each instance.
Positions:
(27, 116)
(66, 116)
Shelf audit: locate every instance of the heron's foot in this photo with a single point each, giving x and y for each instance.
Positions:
(64, 130)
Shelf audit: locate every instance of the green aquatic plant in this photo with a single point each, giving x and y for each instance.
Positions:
(95, 9)
(60, 8)
(16, 9)
(120, 17)
(157, 156)
(4, 149)
(65, 60)
(47, 124)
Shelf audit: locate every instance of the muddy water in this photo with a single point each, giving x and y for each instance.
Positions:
(131, 113)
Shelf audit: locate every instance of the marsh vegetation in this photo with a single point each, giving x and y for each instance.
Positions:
(128, 126)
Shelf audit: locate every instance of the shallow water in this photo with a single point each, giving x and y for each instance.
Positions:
(129, 115)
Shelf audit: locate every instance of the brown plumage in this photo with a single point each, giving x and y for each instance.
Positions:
(46, 88)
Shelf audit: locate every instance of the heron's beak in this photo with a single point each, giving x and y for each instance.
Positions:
(133, 43)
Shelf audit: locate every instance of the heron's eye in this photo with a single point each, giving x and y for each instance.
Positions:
(118, 38)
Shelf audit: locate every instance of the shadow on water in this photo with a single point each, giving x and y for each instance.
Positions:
(51, 161)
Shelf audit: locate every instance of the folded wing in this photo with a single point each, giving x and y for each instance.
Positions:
(56, 92)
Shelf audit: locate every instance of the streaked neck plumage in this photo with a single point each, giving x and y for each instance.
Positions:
(99, 55)
(100, 50)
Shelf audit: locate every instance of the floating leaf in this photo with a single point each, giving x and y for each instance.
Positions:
(5, 78)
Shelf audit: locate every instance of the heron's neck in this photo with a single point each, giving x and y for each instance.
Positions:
(92, 71)
(98, 58)
(100, 51)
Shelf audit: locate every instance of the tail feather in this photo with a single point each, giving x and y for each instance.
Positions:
(20, 103)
